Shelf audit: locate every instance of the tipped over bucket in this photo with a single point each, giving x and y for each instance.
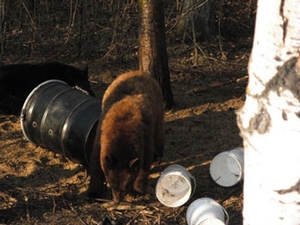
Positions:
(62, 119)
(227, 168)
(206, 211)
(175, 186)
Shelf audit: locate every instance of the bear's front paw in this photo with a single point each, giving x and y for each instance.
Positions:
(95, 190)
(140, 185)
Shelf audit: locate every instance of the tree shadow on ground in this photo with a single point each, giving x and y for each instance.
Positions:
(39, 192)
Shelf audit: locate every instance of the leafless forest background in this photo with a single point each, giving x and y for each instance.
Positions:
(107, 31)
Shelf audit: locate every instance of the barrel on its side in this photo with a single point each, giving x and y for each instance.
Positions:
(62, 119)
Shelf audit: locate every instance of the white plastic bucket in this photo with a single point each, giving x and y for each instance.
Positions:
(227, 168)
(206, 211)
(175, 186)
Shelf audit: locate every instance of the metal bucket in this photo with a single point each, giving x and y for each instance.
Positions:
(62, 119)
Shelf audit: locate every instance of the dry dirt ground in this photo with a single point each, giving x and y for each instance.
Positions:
(39, 187)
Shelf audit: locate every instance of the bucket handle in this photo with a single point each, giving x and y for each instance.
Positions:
(194, 187)
(226, 216)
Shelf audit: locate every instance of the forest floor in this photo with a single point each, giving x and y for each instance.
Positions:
(38, 186)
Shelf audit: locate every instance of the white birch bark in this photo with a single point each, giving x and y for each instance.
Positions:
(270, 119)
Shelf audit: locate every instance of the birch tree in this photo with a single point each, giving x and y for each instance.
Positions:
(269, 121)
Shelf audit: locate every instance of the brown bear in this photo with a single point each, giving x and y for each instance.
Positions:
(132, 133)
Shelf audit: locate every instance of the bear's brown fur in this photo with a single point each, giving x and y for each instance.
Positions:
(132, 133)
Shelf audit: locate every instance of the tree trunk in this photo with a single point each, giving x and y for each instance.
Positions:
(2, 25)
(270, 119)
(153, 57)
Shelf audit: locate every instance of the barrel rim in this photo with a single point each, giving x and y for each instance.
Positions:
(29, 97)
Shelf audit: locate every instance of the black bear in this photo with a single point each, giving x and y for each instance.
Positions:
(131, 132)
(18, 80)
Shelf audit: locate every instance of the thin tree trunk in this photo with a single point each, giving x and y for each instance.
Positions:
(2, 25)
(153, 57)
(270, 119)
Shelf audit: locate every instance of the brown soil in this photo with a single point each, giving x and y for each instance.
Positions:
(41, 187)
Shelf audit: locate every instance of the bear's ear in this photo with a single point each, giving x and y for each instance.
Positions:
(111, 161)
(134, 164)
